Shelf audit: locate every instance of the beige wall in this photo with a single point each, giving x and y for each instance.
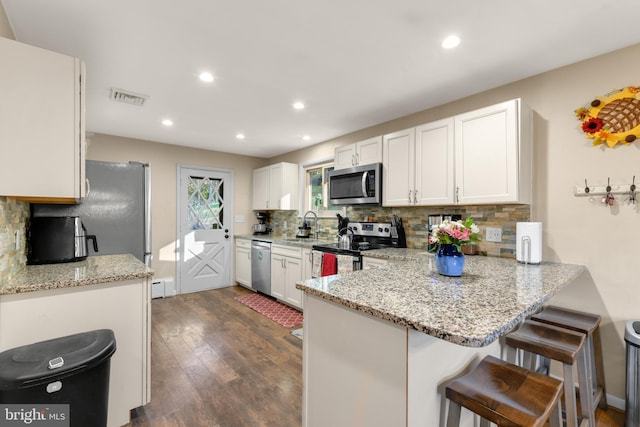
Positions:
(576, 229)
(164, 159)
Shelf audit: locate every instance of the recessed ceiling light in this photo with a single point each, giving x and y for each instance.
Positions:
(306, 137)
(206, 77)
(298, 105)
(167, 122)
(240, 136)
(451, 42)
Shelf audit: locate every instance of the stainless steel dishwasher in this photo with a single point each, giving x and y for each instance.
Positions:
(261, 266)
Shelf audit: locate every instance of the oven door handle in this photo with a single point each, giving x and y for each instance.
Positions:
(365, 175)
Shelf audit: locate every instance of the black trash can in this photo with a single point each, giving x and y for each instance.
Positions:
(632, 408)
(71, 370)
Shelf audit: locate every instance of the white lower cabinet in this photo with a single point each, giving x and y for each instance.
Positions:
(243, 262)
(124, 307)
(286, 271)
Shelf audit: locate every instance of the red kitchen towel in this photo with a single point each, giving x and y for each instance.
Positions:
(329, 264)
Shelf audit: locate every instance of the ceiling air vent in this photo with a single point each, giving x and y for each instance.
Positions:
(128, 97)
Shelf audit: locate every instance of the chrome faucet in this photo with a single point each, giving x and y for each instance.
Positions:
(315, 218)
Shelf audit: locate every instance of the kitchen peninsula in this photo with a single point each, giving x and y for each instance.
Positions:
(102, 292)
(380, 345)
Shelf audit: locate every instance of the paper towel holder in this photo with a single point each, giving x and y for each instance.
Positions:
(529, 242)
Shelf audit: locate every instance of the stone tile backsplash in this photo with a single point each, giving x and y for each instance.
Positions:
(13, 217)
(415, 220)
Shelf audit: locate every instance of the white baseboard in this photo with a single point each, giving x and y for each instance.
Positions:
(616, 402)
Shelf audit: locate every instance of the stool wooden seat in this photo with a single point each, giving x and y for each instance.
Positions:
(588, 324)
(567, 347)
(505, 394)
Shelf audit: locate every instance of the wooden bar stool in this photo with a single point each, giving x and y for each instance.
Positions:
(567, 347)
(588, 324)
(505, 394)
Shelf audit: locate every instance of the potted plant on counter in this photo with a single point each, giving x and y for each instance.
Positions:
(446, 241)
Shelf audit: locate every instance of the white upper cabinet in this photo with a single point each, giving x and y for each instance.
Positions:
(480, 157)
(398, 172)
(360, 153)
(434, 171)
(275, 187)
(419, 165)
(493, 154)
(41, 124)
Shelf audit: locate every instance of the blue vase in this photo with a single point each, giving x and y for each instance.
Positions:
(449, 261)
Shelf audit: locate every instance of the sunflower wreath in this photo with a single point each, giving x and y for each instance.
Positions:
(612, 119)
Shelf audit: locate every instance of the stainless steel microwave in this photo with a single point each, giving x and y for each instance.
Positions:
(360, 185)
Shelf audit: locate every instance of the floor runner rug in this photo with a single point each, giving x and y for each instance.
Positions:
(278, 312)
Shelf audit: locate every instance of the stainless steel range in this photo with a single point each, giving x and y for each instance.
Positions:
(366, 236)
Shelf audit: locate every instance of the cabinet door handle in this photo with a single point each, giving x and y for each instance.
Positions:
(457, 194)
(357, 159)
(284, 263)
(410, 195)
(415, 197)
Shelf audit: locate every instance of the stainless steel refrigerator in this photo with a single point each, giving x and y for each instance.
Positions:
(117, 209)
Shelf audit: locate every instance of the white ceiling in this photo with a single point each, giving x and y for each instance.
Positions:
(354, 63)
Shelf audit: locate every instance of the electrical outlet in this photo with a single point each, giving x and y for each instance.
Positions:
(494, 234)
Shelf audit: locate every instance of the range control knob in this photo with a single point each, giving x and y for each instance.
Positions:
(379, 229)
(386, 230)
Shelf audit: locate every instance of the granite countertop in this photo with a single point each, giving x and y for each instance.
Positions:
(491, 297)
(93, 270)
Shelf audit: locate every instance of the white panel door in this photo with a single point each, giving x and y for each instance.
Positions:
(434, 163)
(205, 207)
(261, 188)
(398, 174)
(369, 151)
(486, 145)
(345, 156)
(41, 123)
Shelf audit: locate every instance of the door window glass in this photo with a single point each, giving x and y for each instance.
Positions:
(205, 199)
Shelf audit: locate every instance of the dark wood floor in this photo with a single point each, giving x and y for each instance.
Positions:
(217, 363)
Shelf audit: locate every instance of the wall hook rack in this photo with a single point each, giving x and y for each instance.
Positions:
(604, 189)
